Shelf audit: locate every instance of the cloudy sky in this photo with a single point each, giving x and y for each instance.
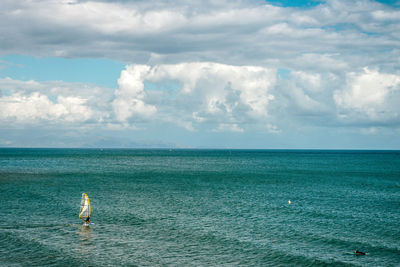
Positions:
(200, 74)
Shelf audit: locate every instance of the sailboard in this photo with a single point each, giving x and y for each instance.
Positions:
(84, 212)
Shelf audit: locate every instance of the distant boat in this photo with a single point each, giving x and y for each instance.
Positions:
(84, 213)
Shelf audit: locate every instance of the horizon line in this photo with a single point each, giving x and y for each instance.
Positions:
(205, 148)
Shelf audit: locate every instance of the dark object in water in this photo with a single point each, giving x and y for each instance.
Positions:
(358, 253)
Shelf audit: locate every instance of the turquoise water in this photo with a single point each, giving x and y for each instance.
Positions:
(200, 207)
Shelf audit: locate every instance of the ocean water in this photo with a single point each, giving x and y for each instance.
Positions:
(200, 207)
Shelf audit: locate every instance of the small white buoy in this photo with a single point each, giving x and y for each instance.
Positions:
(289, 202)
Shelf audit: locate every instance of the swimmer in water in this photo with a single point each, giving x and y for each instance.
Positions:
(356, 252)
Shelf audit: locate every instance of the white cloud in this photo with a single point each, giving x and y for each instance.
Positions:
(223, 127)
(130, 95)
(386, 15)
(203, 95)
(209, 96)
(32, 102)
(205, 92)
(305, 98)
(371, 95)
(37, 107)
(309, 81)
(75, 108)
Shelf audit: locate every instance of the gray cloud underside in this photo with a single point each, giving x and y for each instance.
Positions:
(362, 33)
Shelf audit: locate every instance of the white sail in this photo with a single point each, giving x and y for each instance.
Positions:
(85, 207)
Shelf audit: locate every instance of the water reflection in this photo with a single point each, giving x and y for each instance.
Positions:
(85, 239)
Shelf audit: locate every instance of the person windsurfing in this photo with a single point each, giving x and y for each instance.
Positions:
(87, 222)
(84, 213)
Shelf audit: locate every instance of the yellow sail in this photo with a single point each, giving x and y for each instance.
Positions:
(84, 213)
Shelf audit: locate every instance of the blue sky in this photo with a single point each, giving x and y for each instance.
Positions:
(99, 71)
(210, 74)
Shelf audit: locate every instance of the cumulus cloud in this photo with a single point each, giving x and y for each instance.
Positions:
(188, 95)
(130, 96)
(370, 95)
(36, 107)
(203, 92)
(30, 102)
(209, 96)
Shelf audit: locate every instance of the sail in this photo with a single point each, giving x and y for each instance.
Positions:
(85, 207)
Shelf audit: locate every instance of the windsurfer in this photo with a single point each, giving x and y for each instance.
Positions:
(87, 221)
(85, 210)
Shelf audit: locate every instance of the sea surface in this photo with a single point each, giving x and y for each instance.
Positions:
(200, 207)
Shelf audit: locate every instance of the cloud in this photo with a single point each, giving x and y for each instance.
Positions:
(31, 102)
(200, 97)
(209, 66)
(370, 95)
(203, 92)
(386, 15)
(228, 128)
(193, 96)
(208, 96)
(333, 34)
(129, 97)
(36, 107)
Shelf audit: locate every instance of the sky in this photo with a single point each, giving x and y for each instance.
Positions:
(245, 74)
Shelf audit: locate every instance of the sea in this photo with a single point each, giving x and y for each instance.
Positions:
(199, 207)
